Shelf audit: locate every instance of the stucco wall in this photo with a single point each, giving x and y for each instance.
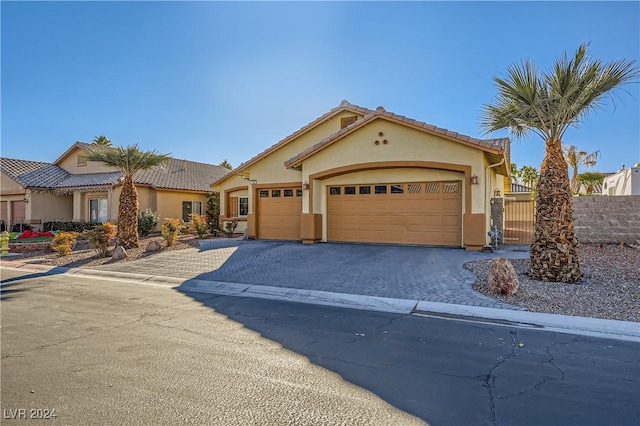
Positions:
(70, 164)
(47, 207)
(170, 203)
(9, 186)
(607, 219)
(404, 144)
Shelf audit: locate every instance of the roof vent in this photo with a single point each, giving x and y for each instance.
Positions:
(344, 102)
(380, 108)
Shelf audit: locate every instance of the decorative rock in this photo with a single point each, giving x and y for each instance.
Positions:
(119, 253)
(153, 246)
(502, 277)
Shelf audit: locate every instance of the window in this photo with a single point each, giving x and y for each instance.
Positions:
(82, 161)
(349, 190)
(243, 206)
(334, 190)
(345, 121)
(275, 192)
(397, 189)
(288, 192)
(190, 207)
(364, 190)
(380, 189)
(98, 210)
(298, 192)
(264, 193)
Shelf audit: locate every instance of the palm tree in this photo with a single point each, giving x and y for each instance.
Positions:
(591, 179)
(576, 159)
(548, 103)
(101, 141)
(129, 161)
(515, 173)
(227, 165)
(529, 176)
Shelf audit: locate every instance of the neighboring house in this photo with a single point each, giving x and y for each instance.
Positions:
(361, 175)
(517, 191)
(72, 189)
(623, 182)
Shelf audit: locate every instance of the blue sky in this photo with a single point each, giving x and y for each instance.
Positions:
(212, 80)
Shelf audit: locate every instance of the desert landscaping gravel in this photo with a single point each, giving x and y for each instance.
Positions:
(610, 288)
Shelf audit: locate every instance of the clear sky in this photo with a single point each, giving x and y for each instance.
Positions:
(206, 81)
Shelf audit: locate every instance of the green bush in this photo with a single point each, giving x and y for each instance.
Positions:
(64, 242)
(170, 230)
(100, 236)
(147, 222)
(198, 225)
(230, 227)
(213, 211)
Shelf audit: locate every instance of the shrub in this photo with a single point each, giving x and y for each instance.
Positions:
(100, 236)
(170, 230)
(68, 226)
(64, 242)
(198, 225)
(20, 227)
(230, 227)
(147, 222)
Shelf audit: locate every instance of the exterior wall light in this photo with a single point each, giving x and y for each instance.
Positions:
(253, 181)
(305, 185)
(496, 193)
(474, 180)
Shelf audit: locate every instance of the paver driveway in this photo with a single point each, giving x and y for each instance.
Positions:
(407, 272)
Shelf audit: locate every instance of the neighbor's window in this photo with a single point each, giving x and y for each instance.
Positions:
(345, 121)
(98, 208)
(190, 207)
(243, 206)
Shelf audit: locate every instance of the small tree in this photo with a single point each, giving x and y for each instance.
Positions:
(227, 165)
(198, 225)
(64, 242)
(100, 236)
(213, 211)
(590, 179)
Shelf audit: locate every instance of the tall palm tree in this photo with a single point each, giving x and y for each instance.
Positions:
(590, 180)
(548, 103)
(226, 164)
(529, 176)
(515, 173)
(576, 159)
(129, 161)
(101, 141)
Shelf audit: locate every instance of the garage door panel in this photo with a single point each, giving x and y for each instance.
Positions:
(422, 213)
(279, 216)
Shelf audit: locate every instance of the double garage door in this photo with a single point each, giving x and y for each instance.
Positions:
(427, 213)
(279, 212)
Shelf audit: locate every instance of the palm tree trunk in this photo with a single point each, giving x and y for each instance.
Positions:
(128, 215)
(554, 252)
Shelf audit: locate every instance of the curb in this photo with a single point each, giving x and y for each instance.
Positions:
(595, 327)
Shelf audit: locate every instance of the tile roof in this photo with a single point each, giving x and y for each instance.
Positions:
(175, 174)
(516, 187)
(344, 106)
(495, 145)
(35, 174)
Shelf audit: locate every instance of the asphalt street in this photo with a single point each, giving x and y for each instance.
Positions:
(108, 352)
(102, 352)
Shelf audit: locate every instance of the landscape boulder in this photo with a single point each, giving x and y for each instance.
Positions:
(153, 246)
(119, 253)
(502, 277)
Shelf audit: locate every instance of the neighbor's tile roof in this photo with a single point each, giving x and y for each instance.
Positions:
(182, 174)
(175, 174)
(344, 106)
(495, 145)
(90, 179)
(33, 173)
(516, 187)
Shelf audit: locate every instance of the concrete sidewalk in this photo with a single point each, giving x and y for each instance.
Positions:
(612, 329)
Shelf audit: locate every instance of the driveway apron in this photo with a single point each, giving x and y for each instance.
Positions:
(405, 272)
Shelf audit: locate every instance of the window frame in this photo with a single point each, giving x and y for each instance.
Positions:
(98, 201)
(240, 199)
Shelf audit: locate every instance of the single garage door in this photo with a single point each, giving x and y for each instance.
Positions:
(279, 211)
(3, 212)
(428, 213)
(18, 211)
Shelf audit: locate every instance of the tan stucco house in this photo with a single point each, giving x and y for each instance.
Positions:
(361, 175)
(73, 189)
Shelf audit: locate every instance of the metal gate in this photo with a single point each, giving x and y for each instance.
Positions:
(519, 217)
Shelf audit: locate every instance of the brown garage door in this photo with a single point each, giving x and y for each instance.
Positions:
(279, 212)
(18, 211)
(427, 213)
(3, 211)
